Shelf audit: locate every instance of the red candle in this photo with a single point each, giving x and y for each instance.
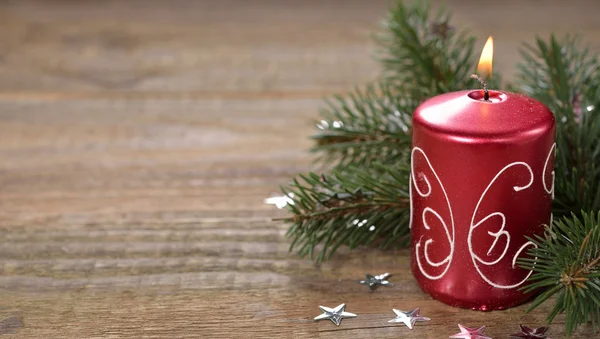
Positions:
(482, 179)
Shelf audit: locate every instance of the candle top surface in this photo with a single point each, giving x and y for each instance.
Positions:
(466, 114)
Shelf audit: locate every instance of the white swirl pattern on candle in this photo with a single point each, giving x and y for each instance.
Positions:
(477, 261)
(501, 232)
(410, 198)
(448, 260)
(551, 189)
(514, 262)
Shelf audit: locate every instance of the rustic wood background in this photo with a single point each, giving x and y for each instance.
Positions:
(139, 139)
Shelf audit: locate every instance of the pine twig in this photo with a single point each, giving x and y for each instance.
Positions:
(353, 207)
(564, 76)
(367, 125)
(567, 263)
(424, 52)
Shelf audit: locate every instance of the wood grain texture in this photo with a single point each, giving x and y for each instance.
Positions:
(138, 140)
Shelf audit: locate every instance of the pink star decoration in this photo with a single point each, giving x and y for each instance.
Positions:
(470, 333)
(531, 333)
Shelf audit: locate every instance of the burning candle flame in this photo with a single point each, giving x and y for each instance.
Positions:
(484, 68)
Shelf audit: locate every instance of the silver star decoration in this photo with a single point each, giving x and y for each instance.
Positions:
(375, 281)
(470, 333)
(334, 314)
(408, 318)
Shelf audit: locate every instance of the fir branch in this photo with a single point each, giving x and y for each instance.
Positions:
(567, 263)
(351, 207)
(366, 125)
(564, 76)
(425, 53)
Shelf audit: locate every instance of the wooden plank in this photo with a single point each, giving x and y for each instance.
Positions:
(203, 48)
(186, 46)
(138, 140)
(103, 156)
(177, 279)
(265, 313)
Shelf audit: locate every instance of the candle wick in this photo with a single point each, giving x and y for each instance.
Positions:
(486, 94)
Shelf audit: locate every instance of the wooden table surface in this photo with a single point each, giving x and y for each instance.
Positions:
(139, 139)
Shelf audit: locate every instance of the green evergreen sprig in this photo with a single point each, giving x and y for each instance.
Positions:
(365, 126)
(566, 77)
(424, 52)
(353, 207)
(566, 264)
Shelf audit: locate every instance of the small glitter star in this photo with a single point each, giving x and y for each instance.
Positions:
(531, 333)
(334, 314)
(281, 201)
(374, 281)
(470, 333)
(408, 318)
